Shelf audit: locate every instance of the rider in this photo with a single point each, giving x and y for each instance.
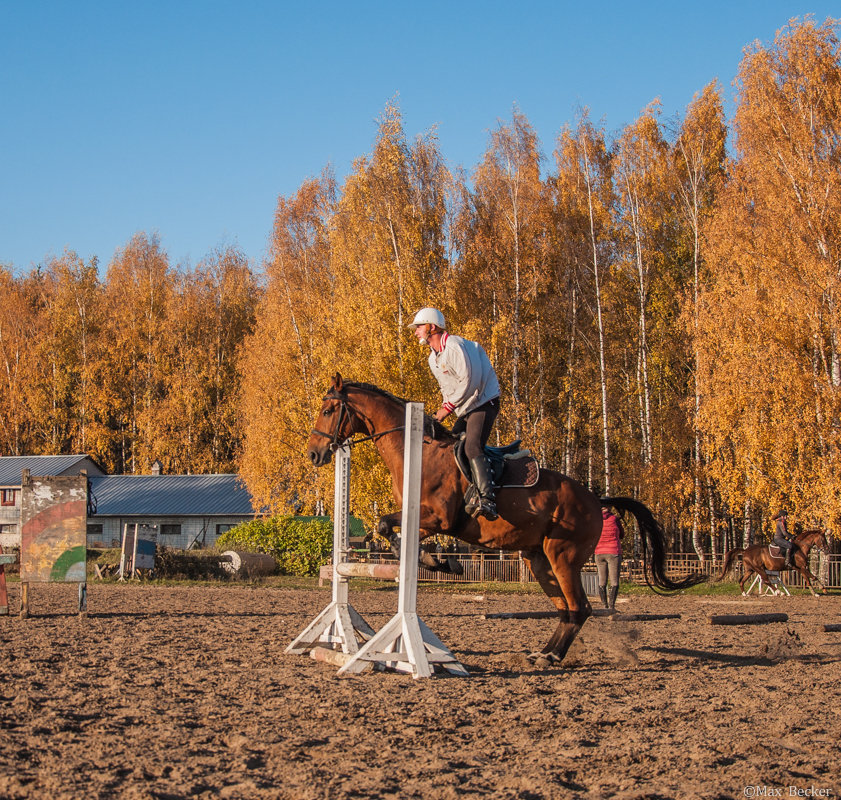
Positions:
(783, 539)
(470, 388)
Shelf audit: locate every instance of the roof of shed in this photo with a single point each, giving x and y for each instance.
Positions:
(12, 466)
(170, 495)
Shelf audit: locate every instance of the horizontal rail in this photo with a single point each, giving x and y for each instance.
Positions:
(386, 572)
(512, 568)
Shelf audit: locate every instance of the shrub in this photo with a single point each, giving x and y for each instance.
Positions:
(299, 544)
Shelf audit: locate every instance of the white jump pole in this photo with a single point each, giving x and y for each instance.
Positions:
(339, 623)
(406, 643)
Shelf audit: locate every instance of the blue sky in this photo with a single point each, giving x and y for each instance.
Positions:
(188, 119)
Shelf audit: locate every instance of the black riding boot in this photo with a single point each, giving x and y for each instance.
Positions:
(603, 595)
(614, 590)
(483, 484)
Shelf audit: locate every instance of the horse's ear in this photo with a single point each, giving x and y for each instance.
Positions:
(336, 382)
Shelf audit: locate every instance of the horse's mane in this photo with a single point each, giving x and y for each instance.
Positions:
(812, 532)
(431, 426)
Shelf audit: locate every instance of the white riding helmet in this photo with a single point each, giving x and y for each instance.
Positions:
(429, 316)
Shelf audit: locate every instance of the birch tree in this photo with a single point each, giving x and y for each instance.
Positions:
(699, 162)
(584, 198)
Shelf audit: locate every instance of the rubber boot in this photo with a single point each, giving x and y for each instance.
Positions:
(482, 481)
(614, 590)
(603, 595)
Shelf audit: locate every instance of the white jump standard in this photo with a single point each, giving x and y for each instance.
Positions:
(405, 643)
(774, 586)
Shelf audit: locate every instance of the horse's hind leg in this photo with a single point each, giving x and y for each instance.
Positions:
(561, 582)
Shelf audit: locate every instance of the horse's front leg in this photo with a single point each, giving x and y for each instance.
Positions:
(449, 565)
(385, 528)
(808, 577)
(426, 559)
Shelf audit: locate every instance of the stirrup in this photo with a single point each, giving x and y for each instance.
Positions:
(486, 509)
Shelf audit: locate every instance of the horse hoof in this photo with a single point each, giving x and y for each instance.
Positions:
(455, 566)
(543, 660)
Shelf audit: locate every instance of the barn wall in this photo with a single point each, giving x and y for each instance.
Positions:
(192, 528)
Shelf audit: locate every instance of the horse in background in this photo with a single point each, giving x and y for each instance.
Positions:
(759, 560)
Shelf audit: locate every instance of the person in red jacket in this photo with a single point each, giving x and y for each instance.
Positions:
(608, 557)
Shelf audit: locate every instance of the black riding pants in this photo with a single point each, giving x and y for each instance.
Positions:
(476, 426)
(785, 544)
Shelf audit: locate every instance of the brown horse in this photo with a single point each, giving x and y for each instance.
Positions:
(757, 560)
(556, 523)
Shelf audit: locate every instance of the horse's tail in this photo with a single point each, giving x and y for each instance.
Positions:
(728, 561)
(653, 539)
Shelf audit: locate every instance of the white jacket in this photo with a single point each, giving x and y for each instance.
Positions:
(465, 374)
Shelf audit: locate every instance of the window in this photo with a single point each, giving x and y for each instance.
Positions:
(7, 497)
(170, 530)
(95, 535)
(224, 526)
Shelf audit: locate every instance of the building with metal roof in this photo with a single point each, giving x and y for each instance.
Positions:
(11, 467)
(186, 510)
(183, 510)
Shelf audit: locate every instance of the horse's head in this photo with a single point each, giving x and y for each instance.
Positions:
(336, 422)
(814, 539)
(821, 543)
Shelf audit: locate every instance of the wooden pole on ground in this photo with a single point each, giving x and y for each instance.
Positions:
(747, 619)
(616, 617)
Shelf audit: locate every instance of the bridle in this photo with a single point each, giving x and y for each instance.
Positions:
(346, 412)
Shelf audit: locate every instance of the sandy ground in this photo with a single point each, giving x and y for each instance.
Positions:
(173, 692)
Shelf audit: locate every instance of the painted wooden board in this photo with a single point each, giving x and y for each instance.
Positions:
(53, 528)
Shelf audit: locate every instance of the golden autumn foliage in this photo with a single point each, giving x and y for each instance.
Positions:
(769, 320)
(136, 367)
(664, 319)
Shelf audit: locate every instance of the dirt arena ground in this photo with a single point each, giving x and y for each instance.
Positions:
(175, 692)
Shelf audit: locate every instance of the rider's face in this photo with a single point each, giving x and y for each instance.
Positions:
(422, 332)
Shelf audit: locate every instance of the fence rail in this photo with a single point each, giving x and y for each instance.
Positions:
(511, 568)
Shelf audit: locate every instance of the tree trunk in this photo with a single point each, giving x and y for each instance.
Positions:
(600, 324)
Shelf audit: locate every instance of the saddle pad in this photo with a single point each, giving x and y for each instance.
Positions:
(774, 551)
(522, 471)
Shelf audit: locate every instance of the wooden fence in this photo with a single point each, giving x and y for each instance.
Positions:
(511, 568)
